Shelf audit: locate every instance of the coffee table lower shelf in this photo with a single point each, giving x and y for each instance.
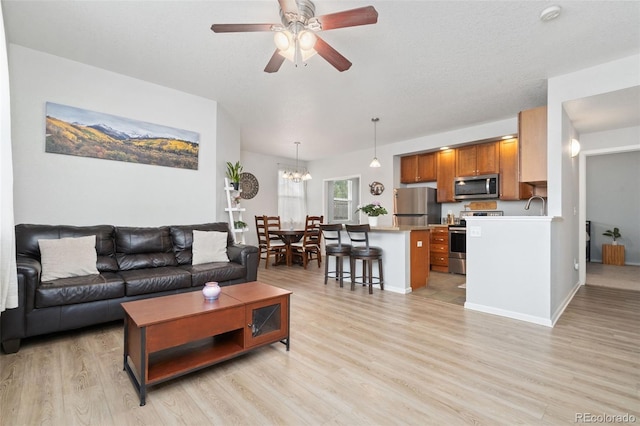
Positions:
(195, 334)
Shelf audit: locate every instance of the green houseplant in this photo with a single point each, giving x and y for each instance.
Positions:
(373, 209)
(615, 234)
(238, 224)
(233, 173)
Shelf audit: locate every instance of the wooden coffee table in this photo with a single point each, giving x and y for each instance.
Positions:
(166, 337)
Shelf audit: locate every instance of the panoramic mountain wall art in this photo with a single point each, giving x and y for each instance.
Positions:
(84, 133)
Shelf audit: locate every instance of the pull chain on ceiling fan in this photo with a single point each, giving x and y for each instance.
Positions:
(296, 38)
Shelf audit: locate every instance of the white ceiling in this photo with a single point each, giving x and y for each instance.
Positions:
(425, 67)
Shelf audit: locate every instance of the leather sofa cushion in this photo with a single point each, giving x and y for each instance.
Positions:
(182, 238)
(215, 271)
(27, 237)
(89, 288)
(138, 248)
(154, 280)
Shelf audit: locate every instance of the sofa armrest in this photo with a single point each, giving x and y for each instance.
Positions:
(238, 253)
(14, 323)
(29, 270)
(246, 256)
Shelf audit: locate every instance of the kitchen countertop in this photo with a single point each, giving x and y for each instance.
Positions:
(401, 228)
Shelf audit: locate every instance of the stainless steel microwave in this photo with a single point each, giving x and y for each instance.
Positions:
(476, 187)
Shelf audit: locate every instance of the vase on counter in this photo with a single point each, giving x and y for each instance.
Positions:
(373, 221)
(211, 291)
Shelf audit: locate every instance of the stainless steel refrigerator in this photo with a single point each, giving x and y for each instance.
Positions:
(416, 206)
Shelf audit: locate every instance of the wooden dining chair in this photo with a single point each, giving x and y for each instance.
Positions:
(309, 247)
(269, 244)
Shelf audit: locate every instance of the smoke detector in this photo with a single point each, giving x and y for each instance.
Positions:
(550, 13)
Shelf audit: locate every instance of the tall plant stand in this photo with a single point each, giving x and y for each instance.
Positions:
(613, 254)
(235, 213)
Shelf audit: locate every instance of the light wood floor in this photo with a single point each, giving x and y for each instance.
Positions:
(382, 359)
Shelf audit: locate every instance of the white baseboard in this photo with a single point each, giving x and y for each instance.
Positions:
(509, 314)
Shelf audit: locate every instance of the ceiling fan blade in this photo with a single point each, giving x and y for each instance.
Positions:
(331, 55)
(349, 18)
(240, 28)
(275, 62)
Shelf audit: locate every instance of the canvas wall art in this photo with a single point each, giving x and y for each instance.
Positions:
(80, 132)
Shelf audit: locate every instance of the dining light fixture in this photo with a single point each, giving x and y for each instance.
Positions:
(375, 162)
(297, 175)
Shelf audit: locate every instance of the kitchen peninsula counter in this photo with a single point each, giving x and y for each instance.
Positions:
(396, 258)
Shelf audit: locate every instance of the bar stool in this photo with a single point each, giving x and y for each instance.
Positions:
(361, 250)
(334, 247)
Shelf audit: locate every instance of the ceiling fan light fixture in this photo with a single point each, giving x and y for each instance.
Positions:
(282, 39)
(307, 40)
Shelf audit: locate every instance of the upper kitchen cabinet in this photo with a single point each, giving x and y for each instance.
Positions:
(532, 132)
(418, 168)
(480, 159)
(446, 171)
(510, 186)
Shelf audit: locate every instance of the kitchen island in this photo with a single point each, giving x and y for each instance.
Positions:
(396, 244)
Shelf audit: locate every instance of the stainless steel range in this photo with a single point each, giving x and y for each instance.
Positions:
(458, 240)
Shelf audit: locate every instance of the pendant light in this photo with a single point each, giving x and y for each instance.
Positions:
(297, 175)
(375, 162)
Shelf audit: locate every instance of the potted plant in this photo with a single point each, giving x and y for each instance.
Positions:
(615, 234)
(373, 210)
(238, 224)
(233, 173)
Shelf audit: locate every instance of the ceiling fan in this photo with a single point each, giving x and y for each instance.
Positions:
(296, 37)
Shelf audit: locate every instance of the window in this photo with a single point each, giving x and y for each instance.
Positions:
(292, 202)
(342, 200)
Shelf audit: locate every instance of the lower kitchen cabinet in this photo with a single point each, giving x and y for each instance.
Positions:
(439, 249)
(419, 256)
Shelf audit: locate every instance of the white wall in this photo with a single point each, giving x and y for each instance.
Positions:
(563, 190)
(613, 200)
(62, 189)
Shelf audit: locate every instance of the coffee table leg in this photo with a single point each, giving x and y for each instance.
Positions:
(143, 366)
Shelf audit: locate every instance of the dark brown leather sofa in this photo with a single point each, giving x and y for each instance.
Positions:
(133, 263)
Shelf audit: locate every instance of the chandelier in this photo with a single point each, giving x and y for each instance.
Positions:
(298, 174)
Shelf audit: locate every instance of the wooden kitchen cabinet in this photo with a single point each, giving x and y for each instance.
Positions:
(439, 249)
(476, 160)
(418, 168)
(510, 186)
(420, 256)
(446, 172)
(532, 133)
(408, 168)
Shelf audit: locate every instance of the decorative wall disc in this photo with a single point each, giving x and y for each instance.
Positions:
(249, 185)
(376, 188)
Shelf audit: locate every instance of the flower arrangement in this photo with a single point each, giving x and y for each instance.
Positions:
(372, 209)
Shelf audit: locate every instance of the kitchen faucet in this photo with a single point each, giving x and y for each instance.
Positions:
(531, 199)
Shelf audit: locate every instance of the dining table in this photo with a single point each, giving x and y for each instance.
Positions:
(288, 237)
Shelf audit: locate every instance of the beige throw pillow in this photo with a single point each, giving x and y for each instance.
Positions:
(68, 257)
(209, 246)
